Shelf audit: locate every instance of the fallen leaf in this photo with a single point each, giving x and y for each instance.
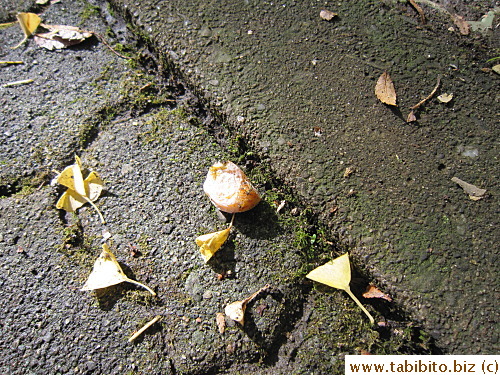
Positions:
(474, 192)
(327, 15)
(486, 22)
(385, 91)
(496, 69)
(107, 272)
(337, 274)
(348, 171)
(280, 206)
(144, 328)
(79, 191)
(61, 36)
(221, 322)
(211, 242)
(411, 117)
(372, 292)
(29, 22)
(461, 23)
(445, 98)
(236, 310)
(229, 189)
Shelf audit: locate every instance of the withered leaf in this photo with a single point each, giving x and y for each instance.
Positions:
(473, 191)
(61, 36)
(373, 292)
(385, 91)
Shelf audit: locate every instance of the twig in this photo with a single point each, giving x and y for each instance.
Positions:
(146, 326)
(419, 104)
(10, 62)
(101, 38)
(419, 10)
(17, 83)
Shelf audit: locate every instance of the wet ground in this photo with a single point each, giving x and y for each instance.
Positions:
(289, 97)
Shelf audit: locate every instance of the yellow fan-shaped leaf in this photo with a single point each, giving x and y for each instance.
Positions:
(65, 178)
(211, 242)
(79, 190)
(107, 272)
(337, 274)
(70, 201)
(29, 23)
(93, 186)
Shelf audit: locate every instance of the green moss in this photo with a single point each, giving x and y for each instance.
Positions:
(89, 11)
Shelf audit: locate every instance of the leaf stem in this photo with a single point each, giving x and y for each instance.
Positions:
(348, 290)
(93, 205)
(140, 284)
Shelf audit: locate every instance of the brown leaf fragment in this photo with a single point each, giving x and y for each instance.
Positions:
(445, 97)
(385, 91)
(327, 15)
(372, 292)
(411, 117)
(348, 171)
(236, 310)
(473, 191)
(461, 23)
(260, 309)
(221, 322)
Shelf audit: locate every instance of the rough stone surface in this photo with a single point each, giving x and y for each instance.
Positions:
(301, 90)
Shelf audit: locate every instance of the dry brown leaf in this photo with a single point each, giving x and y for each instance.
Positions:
(461, 23)
(61, 36)
(385, 91)
(473, 191)
(236, 310)
(411, 117)
(373, 292)
(327, 15)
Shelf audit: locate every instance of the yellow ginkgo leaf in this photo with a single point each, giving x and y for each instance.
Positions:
(93, 186)
(70, 201)
(79, 191)
(211, 242)
(337, 274)
(29, 23)
(78, 177)
(107, 272)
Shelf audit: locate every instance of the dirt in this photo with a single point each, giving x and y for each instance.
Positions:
(292, 102)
